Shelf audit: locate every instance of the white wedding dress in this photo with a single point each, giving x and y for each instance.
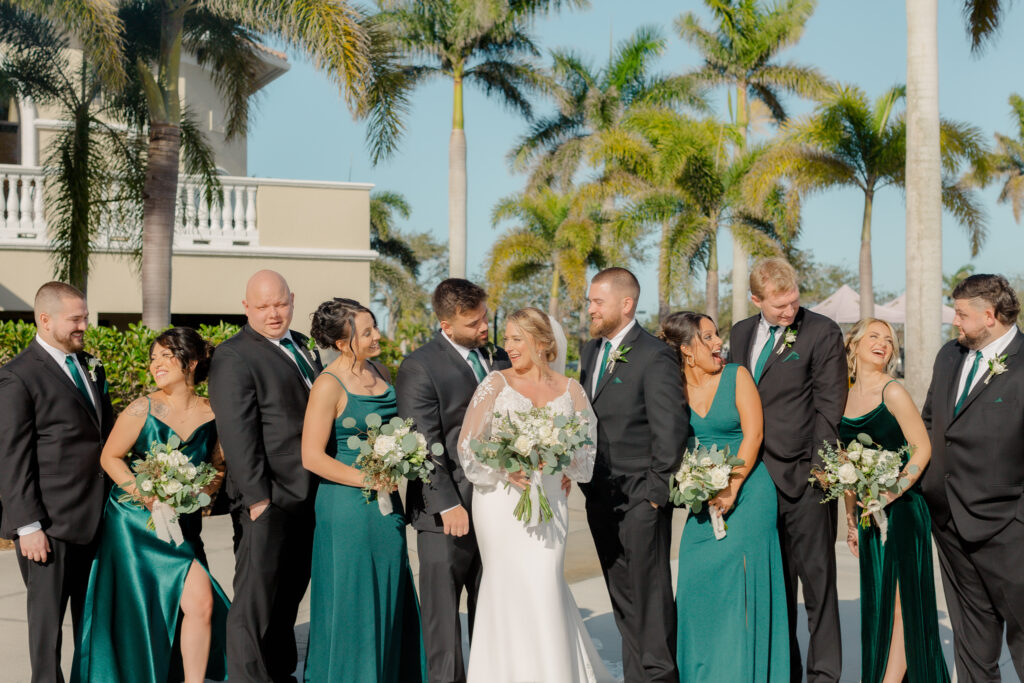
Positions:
(527, 627)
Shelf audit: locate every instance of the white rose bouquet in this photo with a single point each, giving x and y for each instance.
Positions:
(167, 475)
(702, 474)
(866, 470)
(388, 453)
(537, 440)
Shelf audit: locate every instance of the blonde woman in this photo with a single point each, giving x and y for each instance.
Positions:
(899, 624)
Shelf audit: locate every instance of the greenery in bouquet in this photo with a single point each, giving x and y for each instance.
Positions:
(537, 440)
(166, 474)
(390, 452)
(702, 474)
(864, 469)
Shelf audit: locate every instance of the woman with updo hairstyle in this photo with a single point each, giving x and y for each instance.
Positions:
(140, 585)
(523, 591)
(364, 615)
(735, 583)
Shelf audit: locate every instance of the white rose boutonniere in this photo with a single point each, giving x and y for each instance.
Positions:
(996, 366)
(95, 363)
(788, 339)
(489, 348)
(618, 356)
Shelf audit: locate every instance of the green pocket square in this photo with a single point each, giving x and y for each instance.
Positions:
(793, 355)
(616, 380)
(998, 400)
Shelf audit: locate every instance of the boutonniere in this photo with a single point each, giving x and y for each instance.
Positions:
(788, 339)
(996, 366)
(311, 344)
(490, 349)
(94, 363)
(618, 356)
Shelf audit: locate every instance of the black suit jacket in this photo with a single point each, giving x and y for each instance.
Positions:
(434, 387)
(976, 474)
(803, 391)
(642, 421)
(259, 399)
(51, 437)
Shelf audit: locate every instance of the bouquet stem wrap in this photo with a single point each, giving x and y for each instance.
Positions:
(165, 522)
(384, 503)
(877, 513)
(717, 522)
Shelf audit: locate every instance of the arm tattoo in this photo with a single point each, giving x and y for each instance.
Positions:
(137, 408)
(160, 410)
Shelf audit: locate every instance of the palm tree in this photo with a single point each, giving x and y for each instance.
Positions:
(924, 197)
(852, 142)
(556, 232)
(486, 43)
(1006, 163)
(982, 17)
(739, 53)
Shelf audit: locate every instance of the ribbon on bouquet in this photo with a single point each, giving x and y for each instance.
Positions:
(717, 522)
(875, 508)
(165, 523)
(384, 503)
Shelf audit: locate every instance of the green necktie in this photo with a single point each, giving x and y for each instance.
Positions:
(967, 386)
(76, 376)
(478, 367)
(765, 352)
(304, 368)
(604, 362)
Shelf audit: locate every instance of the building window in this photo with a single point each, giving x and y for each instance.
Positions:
(10, 142)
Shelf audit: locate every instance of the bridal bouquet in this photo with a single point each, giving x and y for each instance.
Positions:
(166, 474)
(702, 475)
(388, 453)
(867, 470)
(537, 440)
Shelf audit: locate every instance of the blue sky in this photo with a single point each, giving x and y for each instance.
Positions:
(302, 130)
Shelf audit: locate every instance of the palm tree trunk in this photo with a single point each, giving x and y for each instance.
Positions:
(553, 297)
(664, 260)
(924, 197)
(457, 191)
(740, 268)
(867, 290)
(711, 283)
(160, 189)
(79, 245)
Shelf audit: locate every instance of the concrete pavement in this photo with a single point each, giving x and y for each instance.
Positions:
(581, 570)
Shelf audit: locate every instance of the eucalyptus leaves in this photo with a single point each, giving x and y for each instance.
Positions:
(702, 474)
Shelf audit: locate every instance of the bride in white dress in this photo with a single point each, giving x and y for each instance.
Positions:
(527, 626)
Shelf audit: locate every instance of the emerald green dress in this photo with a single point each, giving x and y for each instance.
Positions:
(364, 618)
(905, 561)
(732, 622)
(130, 622)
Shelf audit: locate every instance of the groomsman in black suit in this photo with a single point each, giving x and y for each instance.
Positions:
(56, 415)
(974, 484)
(434, 385)
(797, 359)
(634, 383)
(259, 385)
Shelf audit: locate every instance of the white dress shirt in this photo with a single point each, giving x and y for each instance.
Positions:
(988, 353)
(616, 341)
(764, 330)
(59, 357)
(464, 352)
(277, 343)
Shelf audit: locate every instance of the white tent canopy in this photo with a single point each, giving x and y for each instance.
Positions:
(899, 305)
(843, 306)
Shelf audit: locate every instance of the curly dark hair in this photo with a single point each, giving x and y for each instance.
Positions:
(993, 290)
(680, 329)
(335, 321)
(187, 347)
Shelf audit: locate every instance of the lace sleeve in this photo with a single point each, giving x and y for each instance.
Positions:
(581, 468)
(477, 425)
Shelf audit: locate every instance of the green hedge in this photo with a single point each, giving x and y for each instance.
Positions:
(125, 354)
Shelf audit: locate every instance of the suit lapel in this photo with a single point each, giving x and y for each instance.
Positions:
(982, 385)
(628, 340)
(455, 359)
(51, 366)
(587, 361)
(278, 353)
(97, 391)
(781, 339)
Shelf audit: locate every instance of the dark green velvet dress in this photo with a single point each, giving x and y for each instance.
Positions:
(904, 561)
(732, 622)
(130, 623)
(364, 618)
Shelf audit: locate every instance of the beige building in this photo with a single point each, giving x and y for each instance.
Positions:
(317, 234)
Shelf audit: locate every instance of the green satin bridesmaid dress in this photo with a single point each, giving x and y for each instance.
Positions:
(732, 620)
(905, 561)
(131, 618)
(364, 618)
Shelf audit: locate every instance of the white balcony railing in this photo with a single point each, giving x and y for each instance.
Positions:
(227, 223)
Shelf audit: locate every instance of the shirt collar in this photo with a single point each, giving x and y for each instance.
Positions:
(996, 347)
(617, 339)
(53, 351)
(287, 334)
(463, 351)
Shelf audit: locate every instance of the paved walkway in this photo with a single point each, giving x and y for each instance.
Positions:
(581, 571)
